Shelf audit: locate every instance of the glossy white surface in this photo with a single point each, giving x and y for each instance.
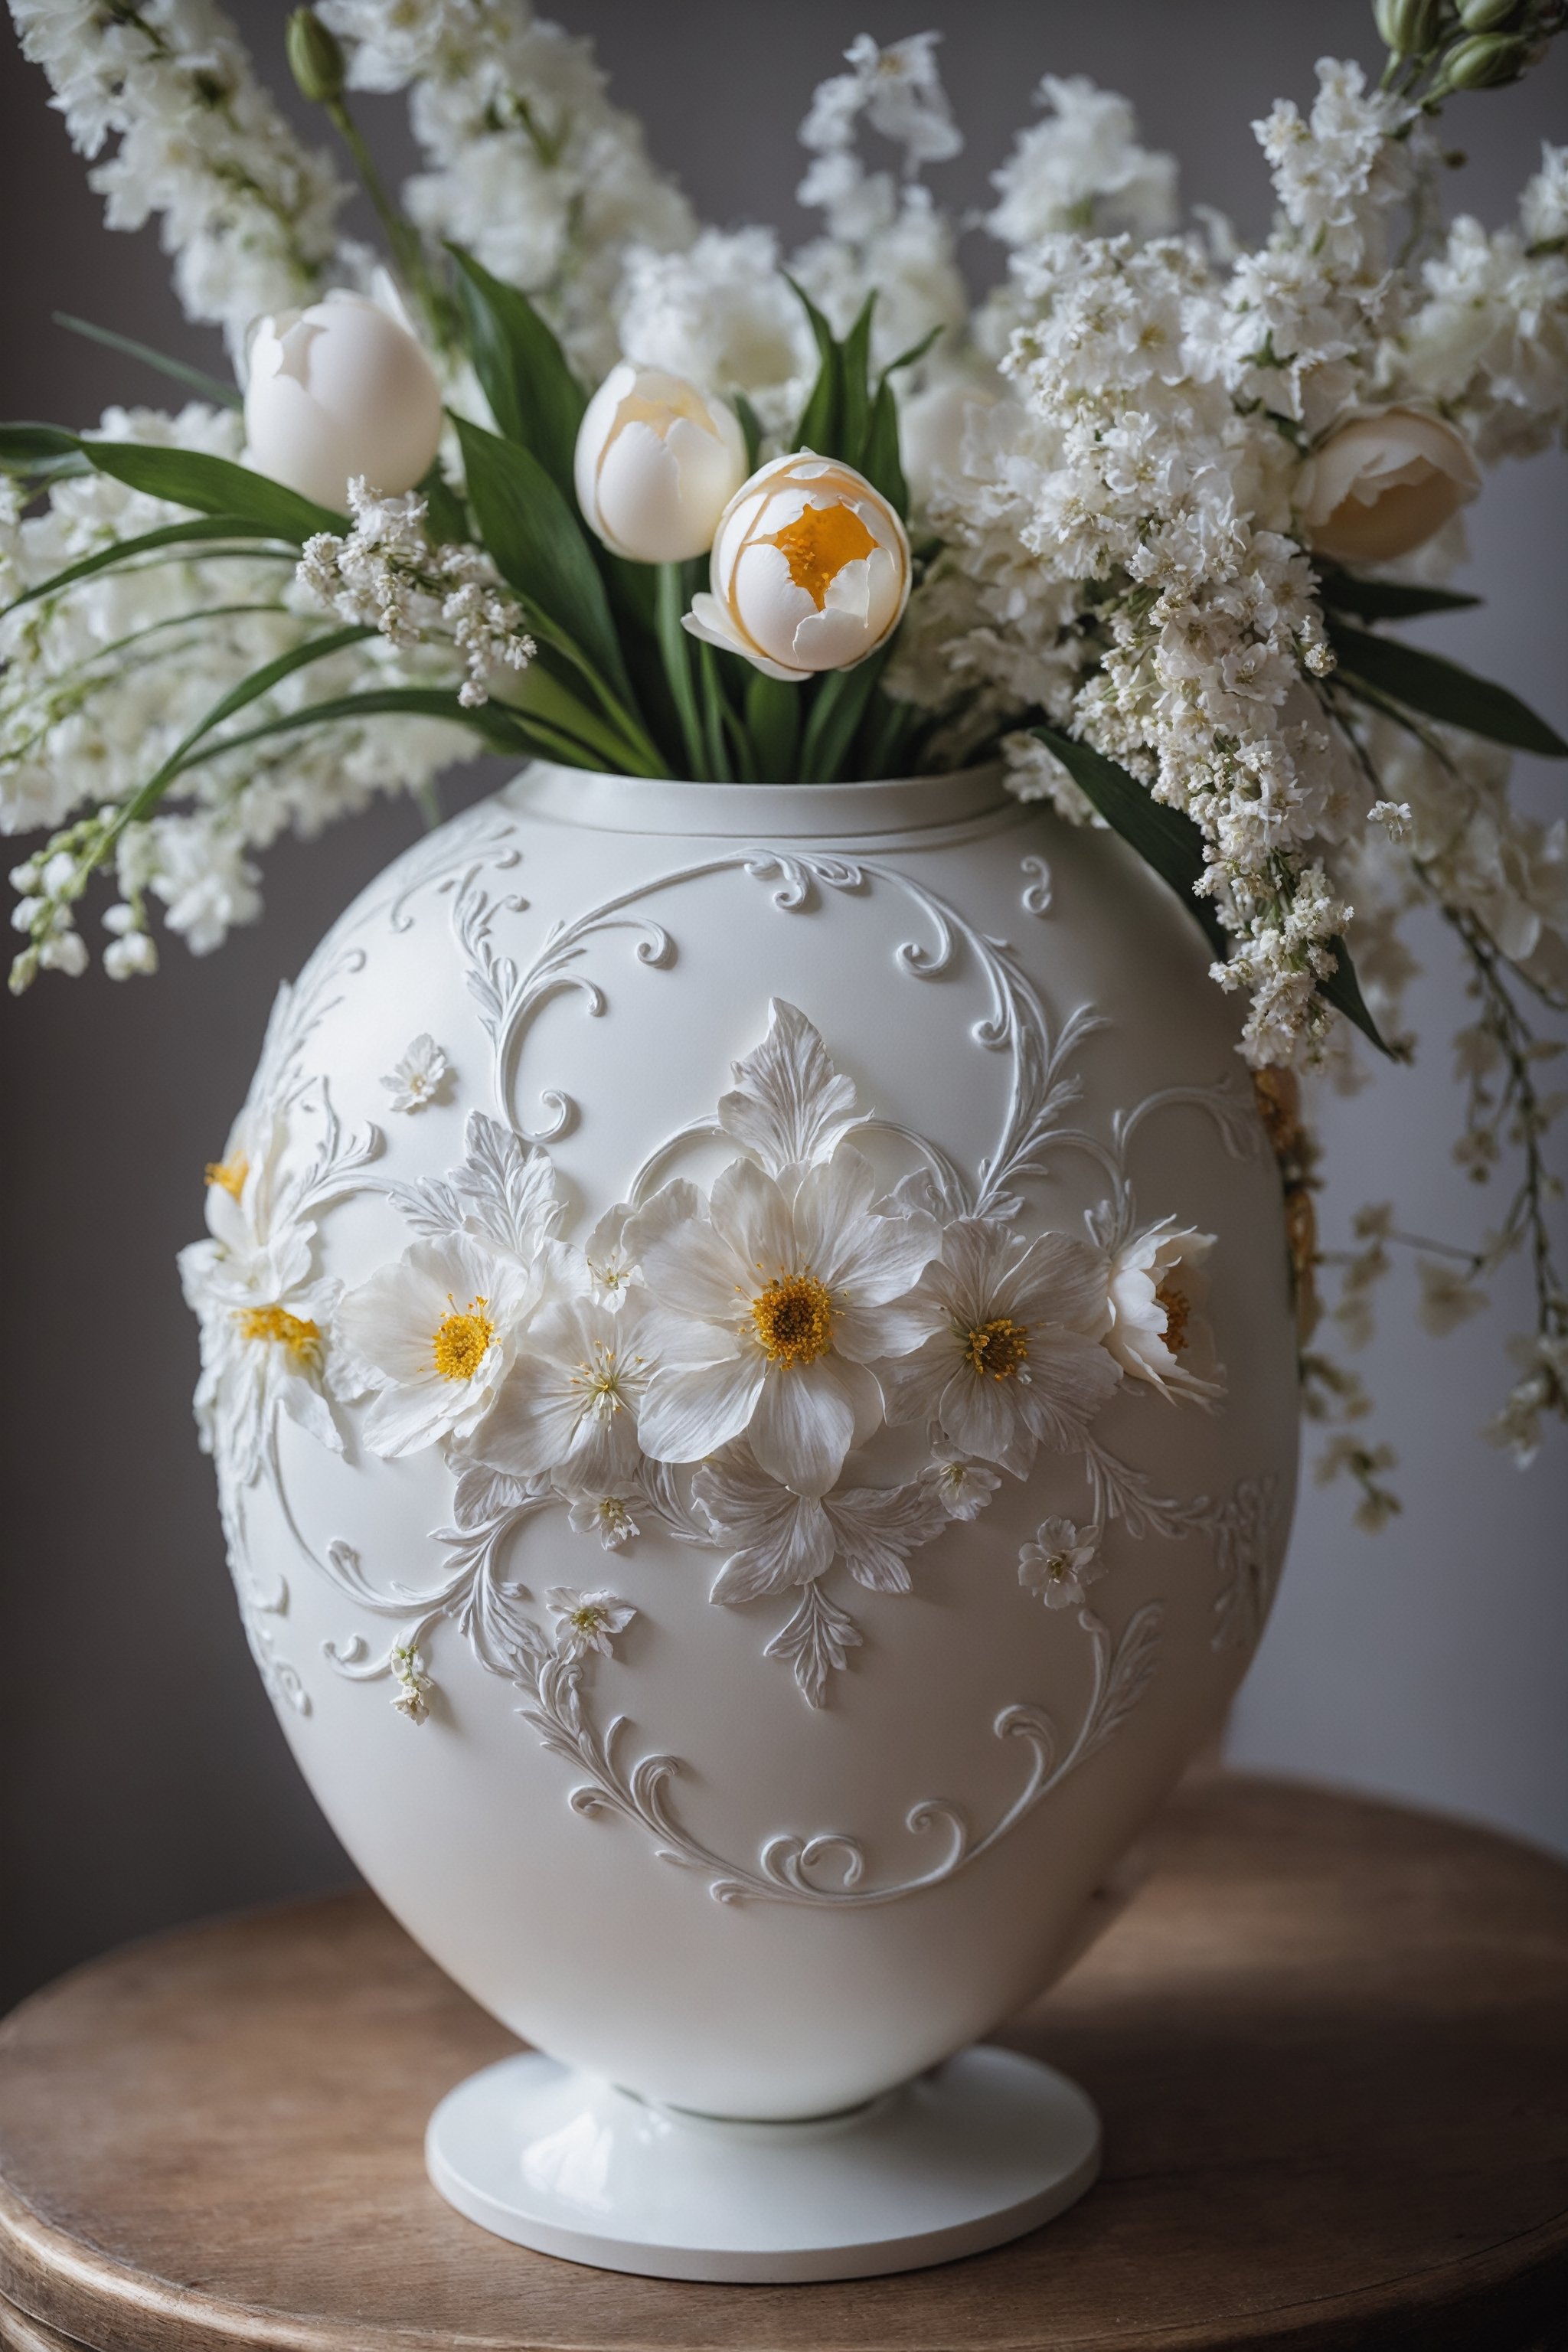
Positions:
(988, 2146)
(903, 1867)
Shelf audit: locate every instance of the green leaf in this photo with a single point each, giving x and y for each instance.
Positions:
(535, 397)
(1164, 838)
(1443, 690)
(444, 512)
(855, 418)
(1168, 840)
(195, 379)
(916, 351)
(773, 721)
(750, 425)
(1385, 600)
(676, 649)
(170, 534)
(711, 690)
(36, 448)
(881, 462)
(540, 545)
(503, 730)
(214, 486)
(835, 714)
(821, 419)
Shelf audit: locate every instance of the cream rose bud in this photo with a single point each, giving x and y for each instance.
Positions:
(337, 390)
(1381, 485)
(810, 569)
(657, 462)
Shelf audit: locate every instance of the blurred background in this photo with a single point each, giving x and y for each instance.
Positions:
(142, 1780)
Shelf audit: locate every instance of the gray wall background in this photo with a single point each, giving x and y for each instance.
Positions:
(142, 1778)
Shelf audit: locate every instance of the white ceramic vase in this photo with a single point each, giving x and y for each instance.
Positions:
(765, 1850)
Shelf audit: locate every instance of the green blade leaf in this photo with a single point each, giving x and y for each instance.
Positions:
(916, 351)
(1168, 840)
(214, 486)
(881, 463)
(1385, 600)
(535, 397)
(835, 714)
(502, 730)
(444, 515)
(36, 448)
(540, 547)
(249, 689)
(773, 721)
(1443, 690)
(170, 534)
(854, 420)
(750, 425)
(194, 379)
(1164, 838)
(821, 420)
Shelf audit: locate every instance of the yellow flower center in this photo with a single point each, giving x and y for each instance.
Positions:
(794, 1319)
(588, 1618)
(601, 1383)
(818, 544)
(459, 1345)
(1057, 1566)
(229, 1175)
(296, 1332)
(1177, 1308)
(996, 1350)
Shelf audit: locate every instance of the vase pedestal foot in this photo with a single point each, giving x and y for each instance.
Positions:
(982, 2149)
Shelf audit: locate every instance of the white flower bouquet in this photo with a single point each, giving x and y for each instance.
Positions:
(564, 474)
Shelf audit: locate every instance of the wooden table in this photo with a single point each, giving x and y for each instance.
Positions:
(1328, 2040)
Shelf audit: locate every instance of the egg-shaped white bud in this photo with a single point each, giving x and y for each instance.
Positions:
(1383, 484)
(810, 569)
(657, 462)
(337, 390)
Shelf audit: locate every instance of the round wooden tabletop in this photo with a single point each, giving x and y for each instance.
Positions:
(1328, 2040)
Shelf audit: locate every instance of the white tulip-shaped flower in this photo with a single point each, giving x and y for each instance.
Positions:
(657, 462)
(769, 1308)
(1155, 1290)
(337, 390)
(1011, 1360)
(1381, 486)
(569, 1404)
(810, 569)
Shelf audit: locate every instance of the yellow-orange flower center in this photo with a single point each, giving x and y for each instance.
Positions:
(997, 1348)
(296, 1332)
(1177, 1308)
(794, 1319)
(229, 1175)
(818, 545)
(459, 1345)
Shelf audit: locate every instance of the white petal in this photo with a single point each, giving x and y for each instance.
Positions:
(804, 1424)
(691, 1412)
(751, 1215)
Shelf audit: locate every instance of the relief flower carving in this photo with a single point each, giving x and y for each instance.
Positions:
(264, 1349)
(569, 1405)
(586, 1620)
(1060, 1562)
(436, 1334)
(1009, 1359)
(423, 1076)
(1156, 1330)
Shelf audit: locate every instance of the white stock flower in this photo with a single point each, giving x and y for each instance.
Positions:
(436, 1334)
(1449, 1297)
(1082, 168)
(420, 1078)
(723, 312)
(898, 91)
(1155, 1329)
(656, 463)
(569, 1404)
(810, 569)
(337, 391)
(1060, 1562)
(768, 1310)
(586, 1620)
(1010, 1358)
(1382, 485)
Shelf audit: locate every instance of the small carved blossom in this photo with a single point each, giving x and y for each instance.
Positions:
(412, 1696)
(570, 1402)
(1157, 1330)
(607, 1517)
(1062, 1561)
(422, 1077)
(612, 1269)
(586, 1620)
(963, 1487)
(436, 1334)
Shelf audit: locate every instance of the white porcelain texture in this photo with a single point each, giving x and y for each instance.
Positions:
(659, 1862)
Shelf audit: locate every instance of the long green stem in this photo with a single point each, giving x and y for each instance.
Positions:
(675, 649)
(718, 767)
(408, 252)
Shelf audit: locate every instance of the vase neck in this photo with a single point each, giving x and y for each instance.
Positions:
(613, 803)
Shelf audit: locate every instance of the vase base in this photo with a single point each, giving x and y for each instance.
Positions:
(985, 2146)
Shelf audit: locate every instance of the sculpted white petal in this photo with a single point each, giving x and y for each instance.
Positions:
(1156, 1330)
(1060, 1562)
(804, 1426)
(437, 1333)
(422, 1077)
(689, 1410)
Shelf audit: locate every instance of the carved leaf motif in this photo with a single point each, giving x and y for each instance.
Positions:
(878, 1526)
(1133, 1666)
(789, 1106)
(504, 1192)
(817, 1642)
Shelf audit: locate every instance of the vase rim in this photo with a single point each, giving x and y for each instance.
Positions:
(645, 804)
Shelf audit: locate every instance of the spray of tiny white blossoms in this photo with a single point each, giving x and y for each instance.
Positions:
(246, 213)
(528, 165)
(387, 574)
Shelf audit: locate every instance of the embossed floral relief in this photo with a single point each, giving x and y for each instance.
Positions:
(702, 1363)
